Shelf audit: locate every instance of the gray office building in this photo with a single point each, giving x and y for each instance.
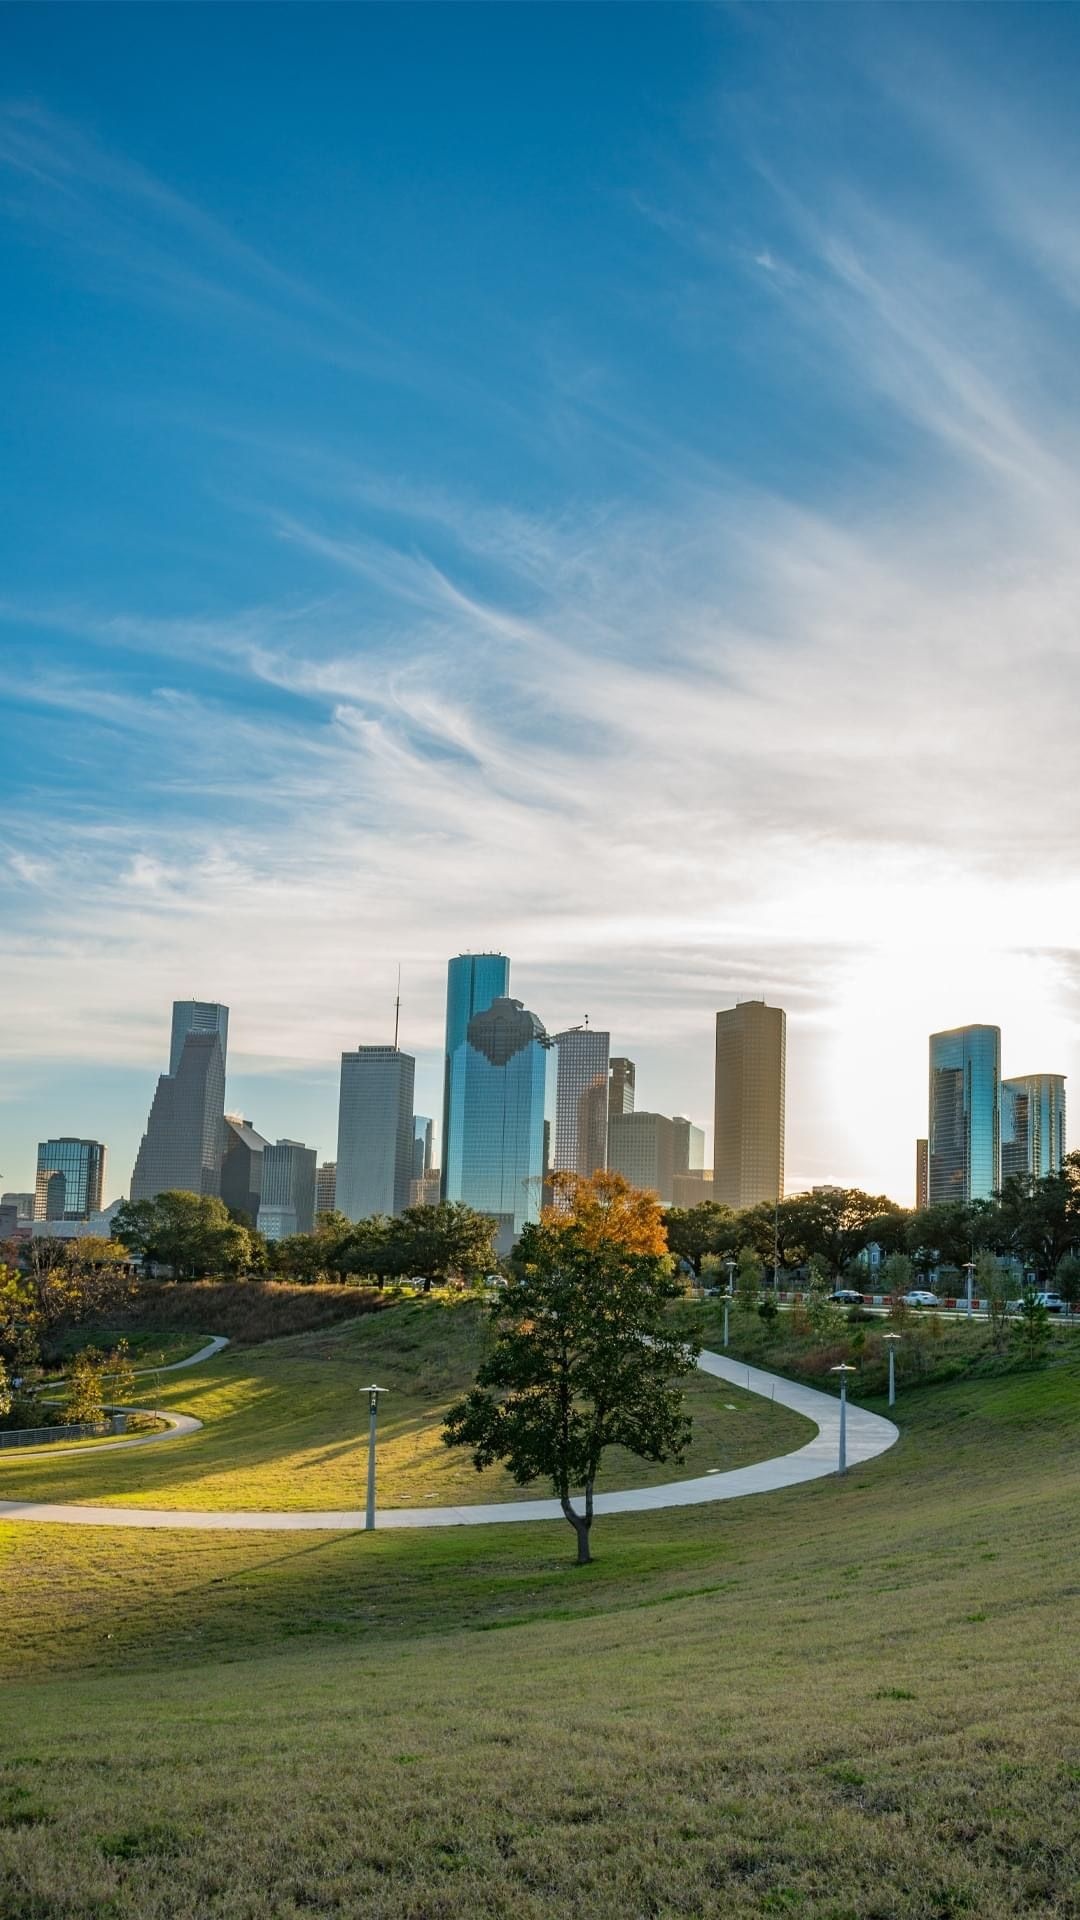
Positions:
(423, 1131)
(288, 1189)
(375, 1132)
(641, 1146)
(621, 1090)
(184, 1144)
(23, 1204)
(325, 1184)
(70, 1179)
(689, 1145)
(242, 1167)
(581, 1101)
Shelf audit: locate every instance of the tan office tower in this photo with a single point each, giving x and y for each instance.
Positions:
(748, 1148)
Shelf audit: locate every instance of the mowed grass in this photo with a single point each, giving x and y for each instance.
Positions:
(285, 1426)
(854, 1700)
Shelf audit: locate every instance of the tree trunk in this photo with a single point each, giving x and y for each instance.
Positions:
(581, 1524)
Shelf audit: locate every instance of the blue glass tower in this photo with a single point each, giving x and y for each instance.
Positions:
(965, 1114)
(1032, 1125)
(473, 981)
(497, 1107)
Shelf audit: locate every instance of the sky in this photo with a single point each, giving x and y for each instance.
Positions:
(597, 482)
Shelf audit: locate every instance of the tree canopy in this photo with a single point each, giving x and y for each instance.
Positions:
(607, 1210)
(582, 1358)
(192, 1234)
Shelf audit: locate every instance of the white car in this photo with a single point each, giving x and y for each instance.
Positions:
(1053, 1303)
(921, 1298)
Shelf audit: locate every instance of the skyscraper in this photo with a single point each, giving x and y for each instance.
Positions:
(498, 1096)
(375, 1132)
(184, 1143)
(70, 1179)
(689, 1145)
(473, 981)
(964, 1134)
(748, 1148)
(581, 1101)
(641, 1146)
(621, 1090)
(423, 1129)
(922, 1173)
(242, 1167)
(1032, 1125)
(197, 1016)
(325, 1184)
(287, 1205)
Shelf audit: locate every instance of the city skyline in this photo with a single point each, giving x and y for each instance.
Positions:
(631, 571)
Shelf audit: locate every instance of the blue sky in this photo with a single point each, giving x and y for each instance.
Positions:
(593, 481)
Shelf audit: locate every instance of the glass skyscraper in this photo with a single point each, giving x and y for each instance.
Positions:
(1032, 1125)
(473, 981)
(375, 1132)
(70, 1179)
(581, 1101)
(184, 1144)
(498, 1100)
(964, 1134)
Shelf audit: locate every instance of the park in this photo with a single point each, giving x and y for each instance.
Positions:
(840, 1698)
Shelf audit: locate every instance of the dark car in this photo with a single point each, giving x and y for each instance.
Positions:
(846, 1297)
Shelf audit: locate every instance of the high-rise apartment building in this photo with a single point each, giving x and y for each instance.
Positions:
(375, 1132)
(325, 1185)
(581, 1101)
(184, 1143)
(495, 1135)
(689, 1145)
(748, 1147)
(964, 1134)
(423, 1132)
(473, 982)
(287, 1205)
(641, 1146)
(922, 1173)
(242, 1167)
(1032, 1125)
(70, 1179)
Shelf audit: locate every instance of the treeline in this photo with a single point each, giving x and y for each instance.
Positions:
(1035, 1223)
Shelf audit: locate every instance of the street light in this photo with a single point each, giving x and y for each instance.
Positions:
(843, 1371)
(969, 1269)
(892, 1338)
(373, 1404)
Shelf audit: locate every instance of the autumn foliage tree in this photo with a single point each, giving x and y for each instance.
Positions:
(607, 1211)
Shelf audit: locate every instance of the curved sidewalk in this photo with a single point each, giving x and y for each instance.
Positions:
(868, 1434)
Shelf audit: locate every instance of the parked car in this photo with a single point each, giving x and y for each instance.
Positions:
(921, 1298)
(846, 1297)
(494, 1280)
(1053, 1303)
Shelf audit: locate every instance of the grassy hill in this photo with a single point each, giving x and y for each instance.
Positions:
(853, 1700)
(286, 1426)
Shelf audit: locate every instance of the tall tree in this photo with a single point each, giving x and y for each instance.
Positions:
(190, 1233)
(608, 1211)
(582, 1359)
(833, 1224)
(693, 1232)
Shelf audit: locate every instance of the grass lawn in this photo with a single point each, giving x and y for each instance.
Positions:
(285, 1426)
(853, 1700)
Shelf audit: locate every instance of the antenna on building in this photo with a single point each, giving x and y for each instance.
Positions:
(586, 1023)
(397, 1006)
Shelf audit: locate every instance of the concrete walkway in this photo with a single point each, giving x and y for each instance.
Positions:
(213, 1345)
(867, 1436)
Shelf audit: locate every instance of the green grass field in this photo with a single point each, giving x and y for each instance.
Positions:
(285, 1426)
(853, 1700)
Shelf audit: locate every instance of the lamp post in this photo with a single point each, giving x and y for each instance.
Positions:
(373, 1405)
(892, 1339)
(969, 1269)
(843, 1371)
(731, 1265)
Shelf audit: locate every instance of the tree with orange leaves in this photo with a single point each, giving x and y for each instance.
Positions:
(608, 1211)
